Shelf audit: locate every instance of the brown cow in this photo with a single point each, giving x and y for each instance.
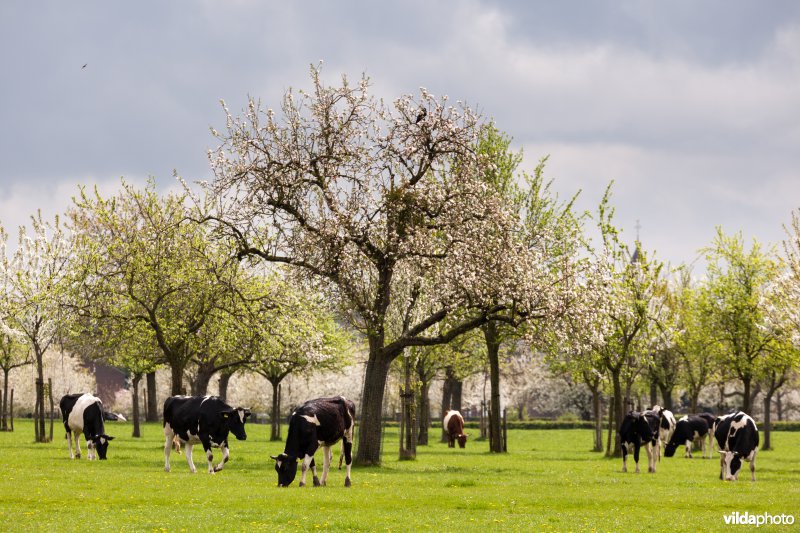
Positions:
(454, 425)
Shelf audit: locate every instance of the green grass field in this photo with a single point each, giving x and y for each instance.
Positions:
(548, 481)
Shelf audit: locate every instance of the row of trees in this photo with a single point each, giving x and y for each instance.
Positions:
(412, 221)
(136, 282)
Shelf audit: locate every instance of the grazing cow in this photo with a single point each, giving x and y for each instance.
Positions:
(666, 429)
(637, 430)
(83, 413)
(454, 425)
(321, 422)
(202, 419)
(687, 429)
(737, 437)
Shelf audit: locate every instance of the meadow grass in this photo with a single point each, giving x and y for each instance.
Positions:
(548, 481)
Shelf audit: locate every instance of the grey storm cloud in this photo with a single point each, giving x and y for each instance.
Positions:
(692, 108)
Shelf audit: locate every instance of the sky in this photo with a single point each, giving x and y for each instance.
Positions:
(692, 108)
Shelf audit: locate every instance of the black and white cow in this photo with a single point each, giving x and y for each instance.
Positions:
(202, 419)
(737, 437)
(687, 429)
(83, 413)
(321, 422)
(709, 418)
(637, 430)
(666, 428)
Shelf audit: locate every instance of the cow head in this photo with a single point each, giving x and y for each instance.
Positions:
(669, 449)
(236, 419)
(100, 443)
(731, 464)
(462, 440)
(286, 467)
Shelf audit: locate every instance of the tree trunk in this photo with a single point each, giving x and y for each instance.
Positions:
(408, 446)
(457, 394)
(767, 420)
(598, 421)
(369, 434)
(666, 397)
(152, 397)
(653, 393)
(4, 407)
(492, 338)
(202, 379)
(275, 413)
(619, 412)
(137, 378)
(41, 436)
(447, 398)
(177, 379)
(746, 382)
(224, 379)
(611, 410)
(779, 405)
(52, 407)
(424, 413)
(693, 399)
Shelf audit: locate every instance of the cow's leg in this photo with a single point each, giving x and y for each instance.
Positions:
(721, 464)
(188, 454)
(347, 445)
(651, 457)
(753, 466)
(327, 457)
(636, 449)
(209, 455)
(688, 452)
(169, 436)
(225, 453)
(308, 460)
(77, 444)
(69, 441)
(703, 444)
(624, 457)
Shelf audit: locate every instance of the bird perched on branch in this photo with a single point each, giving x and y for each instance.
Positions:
(421, 115)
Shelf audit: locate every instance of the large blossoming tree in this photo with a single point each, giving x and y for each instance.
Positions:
(383, 203)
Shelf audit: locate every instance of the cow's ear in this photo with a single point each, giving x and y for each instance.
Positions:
(108, 438)
(226, 413)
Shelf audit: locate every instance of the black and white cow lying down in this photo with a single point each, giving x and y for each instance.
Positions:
(83, 413)
(321, 422)
(688, 428)
(637, 430)
(737, 437)
(202, 419)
